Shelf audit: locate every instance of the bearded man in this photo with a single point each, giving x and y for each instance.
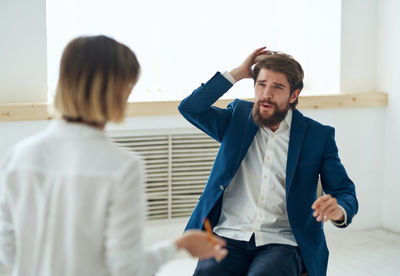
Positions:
(261, 193)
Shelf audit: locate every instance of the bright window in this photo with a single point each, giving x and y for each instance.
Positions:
(182, 43)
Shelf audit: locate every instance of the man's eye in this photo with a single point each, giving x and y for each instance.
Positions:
(261, 84)
(278, 87)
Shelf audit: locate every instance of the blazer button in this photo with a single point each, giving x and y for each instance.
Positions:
(221, 187)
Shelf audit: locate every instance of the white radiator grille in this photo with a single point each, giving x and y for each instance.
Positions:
(177, 168)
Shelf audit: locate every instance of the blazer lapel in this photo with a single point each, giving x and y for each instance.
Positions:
(297, 131)
(251, 131)
(252, 128)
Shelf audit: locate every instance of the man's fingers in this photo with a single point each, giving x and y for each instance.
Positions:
(320, 201)
(250, 59)
(326, 205)
(316, 214)
(263, 52)
(329, 213)
(324, 198)
(256, 51)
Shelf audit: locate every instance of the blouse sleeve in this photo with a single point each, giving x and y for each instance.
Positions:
(124, 250)
(7, 240)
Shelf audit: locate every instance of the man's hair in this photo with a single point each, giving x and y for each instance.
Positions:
(97, 74)
(283, 63)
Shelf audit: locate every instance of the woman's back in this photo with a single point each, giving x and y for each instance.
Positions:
(60, 185)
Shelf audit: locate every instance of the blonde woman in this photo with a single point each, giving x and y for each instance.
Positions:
(71, 203)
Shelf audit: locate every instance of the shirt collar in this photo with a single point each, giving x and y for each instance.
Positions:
(288, 118)
(75, 129)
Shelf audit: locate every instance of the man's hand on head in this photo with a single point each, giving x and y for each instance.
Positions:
(244, 69)
(326, 208)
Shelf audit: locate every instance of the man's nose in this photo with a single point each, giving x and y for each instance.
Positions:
(267, 92)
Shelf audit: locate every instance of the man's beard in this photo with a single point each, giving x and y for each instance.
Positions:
(273, 120)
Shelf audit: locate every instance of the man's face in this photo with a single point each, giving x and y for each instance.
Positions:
(272, 98)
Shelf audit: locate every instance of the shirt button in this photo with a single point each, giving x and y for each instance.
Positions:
(221, 187)
(260, 215)
(268, 158)
(262, 198)
(265, 176)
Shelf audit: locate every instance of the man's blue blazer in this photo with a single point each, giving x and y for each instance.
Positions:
(312, 154)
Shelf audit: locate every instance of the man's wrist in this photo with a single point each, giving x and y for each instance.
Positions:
(229, 77)
(237, 74)
(343, 221)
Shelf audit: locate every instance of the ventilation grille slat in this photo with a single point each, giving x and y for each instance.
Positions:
(177, 169)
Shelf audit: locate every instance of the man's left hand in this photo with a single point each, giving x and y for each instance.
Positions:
(326, 208)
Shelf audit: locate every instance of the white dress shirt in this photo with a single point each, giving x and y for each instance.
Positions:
(71, 203)
(255, 200)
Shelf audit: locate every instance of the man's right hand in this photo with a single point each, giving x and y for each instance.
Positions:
(244, 70)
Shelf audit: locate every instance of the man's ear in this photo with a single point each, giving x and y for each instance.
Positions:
(294, 96)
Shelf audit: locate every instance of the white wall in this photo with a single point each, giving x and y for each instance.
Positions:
(361, 151)
(358, 46)
(23, 73)
(388, 76)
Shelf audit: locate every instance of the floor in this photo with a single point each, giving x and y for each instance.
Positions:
(372, 252)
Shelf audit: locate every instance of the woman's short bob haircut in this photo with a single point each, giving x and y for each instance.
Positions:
(97, 75)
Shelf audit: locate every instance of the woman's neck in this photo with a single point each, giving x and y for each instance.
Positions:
(80, 121)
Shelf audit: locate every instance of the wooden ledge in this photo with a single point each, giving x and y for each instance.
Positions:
(39, 111)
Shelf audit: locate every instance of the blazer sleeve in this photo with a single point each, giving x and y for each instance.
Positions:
(198, 110)
(335, 180)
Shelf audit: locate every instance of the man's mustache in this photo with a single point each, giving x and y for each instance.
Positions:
(266, 101)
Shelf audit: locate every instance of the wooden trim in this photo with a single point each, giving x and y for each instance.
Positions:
(39, 111)
(24, 112)
(373, 99)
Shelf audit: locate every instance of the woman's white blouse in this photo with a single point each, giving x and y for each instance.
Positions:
(71, 203)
